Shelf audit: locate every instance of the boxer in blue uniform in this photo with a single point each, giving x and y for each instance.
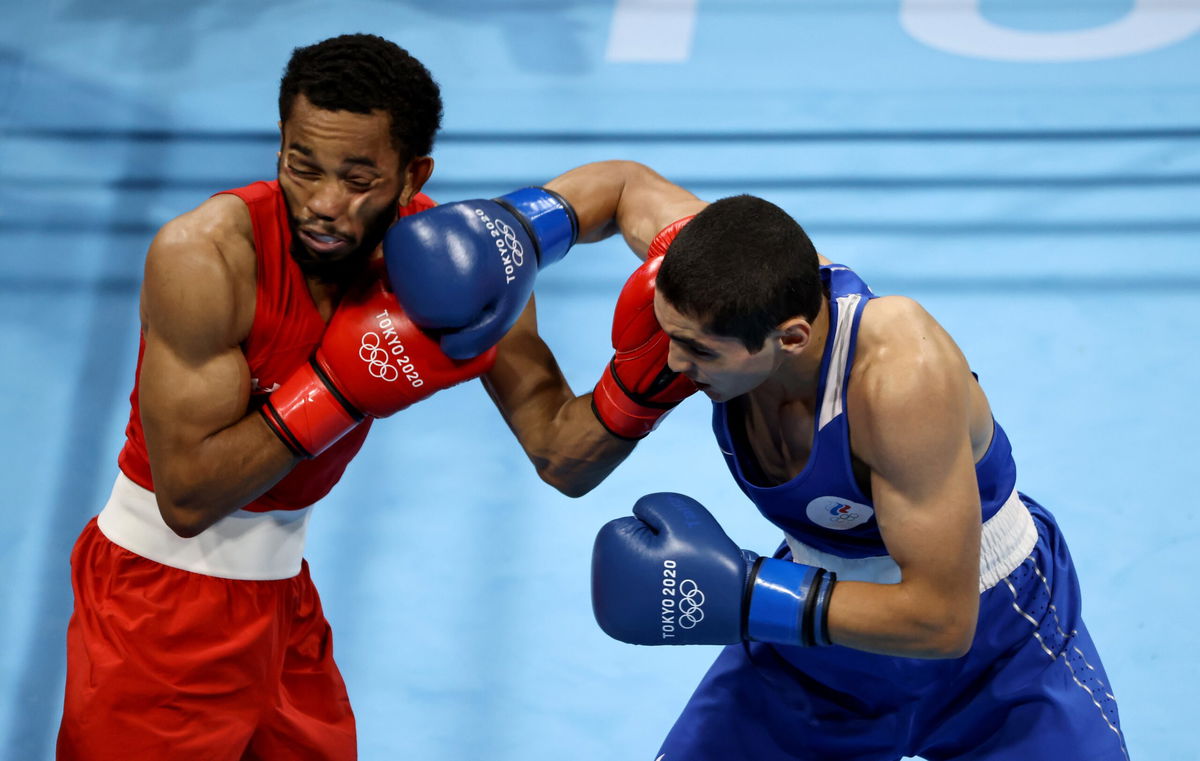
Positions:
(920, 604)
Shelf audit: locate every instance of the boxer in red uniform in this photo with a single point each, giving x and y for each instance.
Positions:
(269, 343)
(271, 339)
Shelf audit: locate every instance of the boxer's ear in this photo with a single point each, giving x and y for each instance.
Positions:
(415, 173)
(795, 335)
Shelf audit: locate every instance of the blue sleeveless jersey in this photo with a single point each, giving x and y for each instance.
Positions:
(823, 506)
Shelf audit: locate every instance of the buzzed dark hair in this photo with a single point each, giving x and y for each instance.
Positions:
(361, 73)
(742, 268)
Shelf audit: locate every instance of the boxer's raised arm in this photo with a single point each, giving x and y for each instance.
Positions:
(208, 457)
(576, 441)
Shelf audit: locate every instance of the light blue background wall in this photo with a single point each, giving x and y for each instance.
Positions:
(1047, 212)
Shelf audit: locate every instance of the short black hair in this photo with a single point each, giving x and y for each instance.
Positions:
(742, 268)
(362, 73)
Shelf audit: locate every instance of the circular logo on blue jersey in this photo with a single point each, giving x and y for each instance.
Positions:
(837, 513)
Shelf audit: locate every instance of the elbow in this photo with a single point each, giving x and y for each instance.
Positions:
(574, 491)
(952, 645)
(951, 636)
(566, 475)
(567, 485)
(183, 520)
(183, 524)
(937, 626)
(939, 619)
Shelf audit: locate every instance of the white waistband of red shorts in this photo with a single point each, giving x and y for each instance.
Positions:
(1006, 540)
(242, 545)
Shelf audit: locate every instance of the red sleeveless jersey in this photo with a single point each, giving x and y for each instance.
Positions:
(286, 331)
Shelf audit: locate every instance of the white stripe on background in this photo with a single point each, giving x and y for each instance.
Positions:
(651, 31)
(959, 26)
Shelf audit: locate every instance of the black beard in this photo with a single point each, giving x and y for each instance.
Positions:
(350, 265)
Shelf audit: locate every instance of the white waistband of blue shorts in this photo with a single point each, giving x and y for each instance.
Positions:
(1006, 540)
(242, 545)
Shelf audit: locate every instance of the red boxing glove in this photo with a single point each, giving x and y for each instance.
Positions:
(638, 388)
(372, 361)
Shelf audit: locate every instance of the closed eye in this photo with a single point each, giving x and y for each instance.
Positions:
(305, 173)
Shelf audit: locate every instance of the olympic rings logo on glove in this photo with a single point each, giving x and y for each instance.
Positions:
(690, 601)
(511, 242)
(376, 358)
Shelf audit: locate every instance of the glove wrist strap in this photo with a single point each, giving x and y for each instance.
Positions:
(548, 218)
(789, 603)
(307, 413)
(621, 414)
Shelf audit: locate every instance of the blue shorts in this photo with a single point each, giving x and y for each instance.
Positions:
(1031, 688)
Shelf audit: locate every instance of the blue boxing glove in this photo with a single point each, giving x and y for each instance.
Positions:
(670, 576)
(466, 269)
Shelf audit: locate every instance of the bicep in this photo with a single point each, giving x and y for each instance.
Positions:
(624, 196)
(649, 205)
(916, 441)
(929, 516)
(194, 379)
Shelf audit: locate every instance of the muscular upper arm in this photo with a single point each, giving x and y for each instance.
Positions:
(194, 379)
(910, 413)
(624, 196)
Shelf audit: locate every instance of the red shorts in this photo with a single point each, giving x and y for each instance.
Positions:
(169, 664)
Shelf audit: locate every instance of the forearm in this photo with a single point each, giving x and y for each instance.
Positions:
(557, 429)
(901, 620)
(572, 452)
(199, 484)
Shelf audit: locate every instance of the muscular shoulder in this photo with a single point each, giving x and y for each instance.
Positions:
(902, 345)
(906, 365)
(200, 273)
(898, 329)
(219, 230)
